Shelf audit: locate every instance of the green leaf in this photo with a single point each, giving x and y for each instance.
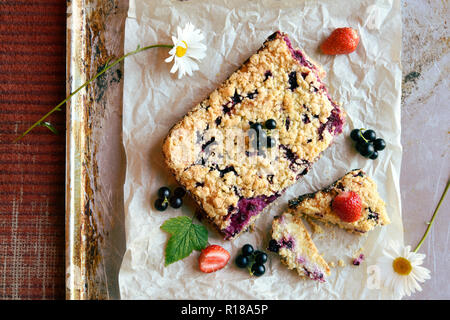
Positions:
(49, 126)
(185, 237)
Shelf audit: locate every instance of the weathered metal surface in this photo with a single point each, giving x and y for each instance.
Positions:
(425, 136)
(93, 194)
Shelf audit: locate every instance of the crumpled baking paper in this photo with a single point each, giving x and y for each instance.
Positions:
(367, 83)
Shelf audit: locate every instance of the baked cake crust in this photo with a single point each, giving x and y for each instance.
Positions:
(233, 185)
(296, 249)
(318, 204)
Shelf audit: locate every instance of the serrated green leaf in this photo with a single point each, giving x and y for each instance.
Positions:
(174, 225)
(185, 237)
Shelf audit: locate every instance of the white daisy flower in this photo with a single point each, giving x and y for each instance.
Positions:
(401, 269)
(188, 48)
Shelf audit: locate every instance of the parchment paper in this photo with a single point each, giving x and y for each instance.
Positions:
(367, 83)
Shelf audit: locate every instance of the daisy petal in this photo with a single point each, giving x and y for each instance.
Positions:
(402, 283)
(185, 61)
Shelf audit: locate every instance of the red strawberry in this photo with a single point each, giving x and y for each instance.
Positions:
(213, 258)
(341, 41)
(347, 205)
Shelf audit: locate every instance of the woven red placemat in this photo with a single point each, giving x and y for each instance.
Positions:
(32, 81)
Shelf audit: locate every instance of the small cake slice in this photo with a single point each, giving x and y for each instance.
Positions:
(229, 160)
(292, 242)
(319, 205)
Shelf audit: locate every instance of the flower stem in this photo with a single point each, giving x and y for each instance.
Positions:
(432, 218)
(106, 68)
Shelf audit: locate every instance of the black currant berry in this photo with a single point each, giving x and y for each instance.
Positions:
(258, 269)
(260, 257)
(247, 250)
(179, 192)
(257, 126)
(164, 192)
(270, 124)
(273, 246)
(374, 155)
(366, 150)
(379, 144)
(370, 135)
(360, 145)
(175, 202)
(242, 261)
(161, 204)
(355, 135)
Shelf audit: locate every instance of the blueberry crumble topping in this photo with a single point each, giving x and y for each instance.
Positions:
(252, 95)
(204, 107)
(287, 123)
(357, 261)
(296, 163)
(226, 108)
(232, 203)
(315, 275)
(226, 170)
(372, 215)
(359, 174)
(306, 119)
(287, 243)
(293, 84)
(267, 75)
(340, 186)
(247, 208)
(293, 203)
(237, 98)
(205, 145)
(273, 246)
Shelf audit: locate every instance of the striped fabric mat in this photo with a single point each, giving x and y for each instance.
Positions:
(32, 81)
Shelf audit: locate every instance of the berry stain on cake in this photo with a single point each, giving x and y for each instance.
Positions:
(292, 242)
(281, 89)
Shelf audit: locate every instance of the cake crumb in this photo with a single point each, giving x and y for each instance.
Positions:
(359, 257)
(315, 228)
(332, 264)
(341, 263)
(357, 261)
(251, 228)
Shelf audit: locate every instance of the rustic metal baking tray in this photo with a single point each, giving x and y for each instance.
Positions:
(95, 238)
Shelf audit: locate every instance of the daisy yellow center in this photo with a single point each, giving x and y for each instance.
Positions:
(402, 266)
(181, 51)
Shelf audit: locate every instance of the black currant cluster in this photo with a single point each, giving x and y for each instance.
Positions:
(252, 259)
(261, 134)
(367, 143)
(165, 197)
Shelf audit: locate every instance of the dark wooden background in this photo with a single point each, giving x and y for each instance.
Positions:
(32, 81)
